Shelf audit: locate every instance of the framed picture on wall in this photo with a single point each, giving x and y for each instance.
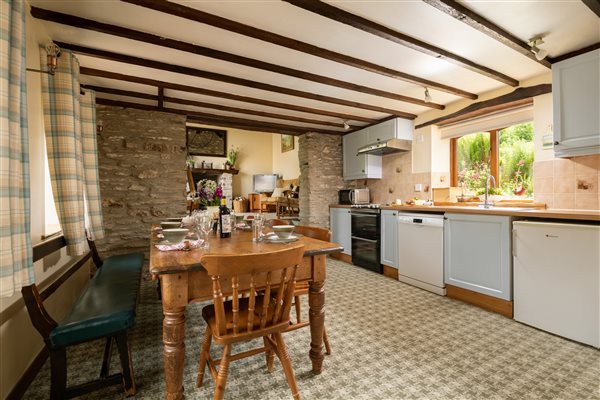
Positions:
(287, 143)
(206, 142)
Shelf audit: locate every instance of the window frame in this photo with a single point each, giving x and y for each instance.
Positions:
(494, 156)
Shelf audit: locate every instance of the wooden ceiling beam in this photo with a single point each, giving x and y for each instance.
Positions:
(220, 120)
(358, 22)
(229, 79)
(196, 15)
(457, 11)
(519, 96)
(214, 93)
(168, 99)
(83, 23)
(593, 5)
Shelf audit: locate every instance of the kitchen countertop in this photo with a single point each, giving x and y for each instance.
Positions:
(583, 215)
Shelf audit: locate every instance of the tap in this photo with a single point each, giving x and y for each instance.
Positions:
(487, 185)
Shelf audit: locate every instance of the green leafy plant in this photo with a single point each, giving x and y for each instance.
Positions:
(232, 155)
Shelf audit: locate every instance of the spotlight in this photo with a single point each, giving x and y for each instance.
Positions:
(346, 126)
(540, 54)
(428, 98)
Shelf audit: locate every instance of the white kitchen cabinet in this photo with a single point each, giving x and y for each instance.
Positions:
(477, 253)
(576, 105)
(389, 238)
(557, 278)
(340, 225)
(359, 166)
(395, 128)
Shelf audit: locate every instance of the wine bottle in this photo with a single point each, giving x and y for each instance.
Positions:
(225, 219)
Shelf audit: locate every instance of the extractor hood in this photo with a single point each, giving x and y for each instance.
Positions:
(387, 147)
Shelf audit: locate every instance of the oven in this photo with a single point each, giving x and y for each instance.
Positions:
(366, 235)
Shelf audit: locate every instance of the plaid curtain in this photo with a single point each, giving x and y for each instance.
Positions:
(72, 154)
(16, 265)
(94, 223)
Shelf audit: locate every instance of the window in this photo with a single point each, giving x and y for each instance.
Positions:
(51, 223)
(506, 154)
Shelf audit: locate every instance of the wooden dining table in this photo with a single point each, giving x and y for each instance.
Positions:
(183, 280)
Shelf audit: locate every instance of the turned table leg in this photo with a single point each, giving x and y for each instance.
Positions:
(174, 299)
(316, 316)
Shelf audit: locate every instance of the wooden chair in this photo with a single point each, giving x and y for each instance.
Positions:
(302, 287)
(251, 314)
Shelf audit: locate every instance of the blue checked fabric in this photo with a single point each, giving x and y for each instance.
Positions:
(16, 265)
(69, 119)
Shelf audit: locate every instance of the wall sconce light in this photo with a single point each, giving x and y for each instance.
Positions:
(346, 126)
(540, 54)
(51, 60)
(428, 97)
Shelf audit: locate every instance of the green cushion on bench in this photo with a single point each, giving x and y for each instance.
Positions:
(107, 306)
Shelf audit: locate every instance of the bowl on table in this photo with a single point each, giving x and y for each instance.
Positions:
(170, 224)
(283, 231)
(173, 219)
(175, 236)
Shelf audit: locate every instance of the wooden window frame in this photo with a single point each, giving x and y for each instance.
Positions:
(494, 157)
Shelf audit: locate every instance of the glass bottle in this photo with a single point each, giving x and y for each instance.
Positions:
(224, 219)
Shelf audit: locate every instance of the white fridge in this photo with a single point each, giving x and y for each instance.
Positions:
(556, 278)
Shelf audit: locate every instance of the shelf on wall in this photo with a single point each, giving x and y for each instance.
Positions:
(214, 171)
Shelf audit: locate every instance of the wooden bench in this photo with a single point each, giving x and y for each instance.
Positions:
(105, 309)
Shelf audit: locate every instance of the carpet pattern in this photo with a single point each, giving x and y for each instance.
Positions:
(390, 341)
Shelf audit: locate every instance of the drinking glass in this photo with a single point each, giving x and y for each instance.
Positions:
(206, 224)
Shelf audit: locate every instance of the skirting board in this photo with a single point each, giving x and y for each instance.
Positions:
(390, 272)
(342, 257)
(494, 304)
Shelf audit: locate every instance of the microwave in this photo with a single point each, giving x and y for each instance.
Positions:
(354, 196)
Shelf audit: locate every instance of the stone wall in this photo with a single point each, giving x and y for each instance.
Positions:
(141, 157)
(320, 176)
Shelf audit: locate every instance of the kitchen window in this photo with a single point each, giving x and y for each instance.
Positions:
(505, 153)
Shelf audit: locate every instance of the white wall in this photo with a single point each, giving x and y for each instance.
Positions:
(287, 164)
(542, 124)
(255, 156)
(19, 341)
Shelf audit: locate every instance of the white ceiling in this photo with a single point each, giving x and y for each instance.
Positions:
(566, 26)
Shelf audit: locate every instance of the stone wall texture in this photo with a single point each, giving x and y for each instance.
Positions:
(320, 176)
(141, 157)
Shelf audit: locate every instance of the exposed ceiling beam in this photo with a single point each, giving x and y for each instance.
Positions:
(476, 21)
(593, 5)
(132, 34)
(229, 79)
(358, 22)
(219, 120)
(521, 95)
(577, 52)
(214, 93)
(270, 37)
(168, 99)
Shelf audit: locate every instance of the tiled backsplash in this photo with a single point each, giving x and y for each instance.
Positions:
(568, 183)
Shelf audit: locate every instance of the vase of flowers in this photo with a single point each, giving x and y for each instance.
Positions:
(207, 196)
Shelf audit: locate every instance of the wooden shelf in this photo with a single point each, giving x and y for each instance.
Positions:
(214, 171)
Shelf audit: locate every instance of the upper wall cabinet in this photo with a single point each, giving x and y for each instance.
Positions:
(396, 128)
(361, 166)
(576, 103)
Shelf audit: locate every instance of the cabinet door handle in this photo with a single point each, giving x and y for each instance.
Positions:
(556, 143)
(363, 170)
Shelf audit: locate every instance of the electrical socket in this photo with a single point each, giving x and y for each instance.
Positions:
(418, 187)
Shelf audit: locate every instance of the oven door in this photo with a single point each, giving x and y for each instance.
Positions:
(365, 253)
(365, 224)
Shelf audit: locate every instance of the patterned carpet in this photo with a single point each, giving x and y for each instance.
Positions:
(390, 341)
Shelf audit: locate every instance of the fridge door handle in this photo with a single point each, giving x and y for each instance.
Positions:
(514, 243)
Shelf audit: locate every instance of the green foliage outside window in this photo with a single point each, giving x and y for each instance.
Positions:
(473, 154)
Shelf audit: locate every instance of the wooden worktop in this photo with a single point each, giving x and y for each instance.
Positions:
(549, 213)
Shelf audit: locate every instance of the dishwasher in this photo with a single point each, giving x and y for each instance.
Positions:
(421, 251)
